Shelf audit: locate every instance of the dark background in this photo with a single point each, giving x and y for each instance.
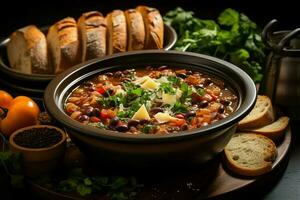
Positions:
(16, 14)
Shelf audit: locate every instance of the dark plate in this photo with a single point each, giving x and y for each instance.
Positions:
(169, 41)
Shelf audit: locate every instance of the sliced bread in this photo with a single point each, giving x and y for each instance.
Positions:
(63, 44)
(262, 114)
(274, 131)
(92, 34)
(154, 27)
(135, 30)
(27, 51)
(250, 154)
(116, 32)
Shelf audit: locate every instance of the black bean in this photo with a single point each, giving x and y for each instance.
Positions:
(118, 74)
(221, 109)
(133, 122)
(114, 121)
(110, 74)
(96, 112)
(122, 128)
(181, 75)
(225, 102)
(156, 110)
(88, 84)
(89, 110)
(161, 68)
(83, 118)
(203, 104)
(207, 81)
(190, 114)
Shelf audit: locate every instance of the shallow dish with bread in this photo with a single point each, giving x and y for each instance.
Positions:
(31, 56)
(144, 149)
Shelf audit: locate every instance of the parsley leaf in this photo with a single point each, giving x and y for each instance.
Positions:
(179, 108)
(167, 88)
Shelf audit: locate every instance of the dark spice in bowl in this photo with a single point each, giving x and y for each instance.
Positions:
(38, 137)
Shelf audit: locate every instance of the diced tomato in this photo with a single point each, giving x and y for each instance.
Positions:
(104, 114)
(101, 90)
(107, 113)
(178, 122)
(94, 119)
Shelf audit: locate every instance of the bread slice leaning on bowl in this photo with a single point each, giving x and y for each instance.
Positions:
(63, 44)
(92, 34)
(262, 114)
(135, 30)
(154, 27)
(27, 51)
(117, 32)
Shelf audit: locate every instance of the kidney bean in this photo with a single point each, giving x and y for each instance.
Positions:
(144, 121)
(83, 118)
(94, 119)
(222, 108)
(156, 110)
(122, 128)
(180, 116)
(114, 121)
(133, 122)
(181, 75)
(203, 104)
(118, 74)
(190, 114)
(88, 110)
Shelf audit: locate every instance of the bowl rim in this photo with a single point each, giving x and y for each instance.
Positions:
(50, 102)
(27, 149)
(48, 77)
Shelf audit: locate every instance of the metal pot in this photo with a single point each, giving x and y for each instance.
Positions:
(282, 76)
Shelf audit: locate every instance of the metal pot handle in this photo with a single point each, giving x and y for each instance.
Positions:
(286, 39)
(268, 32)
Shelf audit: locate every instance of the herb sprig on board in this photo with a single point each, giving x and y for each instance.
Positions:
(233, 37)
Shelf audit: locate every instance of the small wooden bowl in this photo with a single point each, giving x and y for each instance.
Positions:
(38, 161)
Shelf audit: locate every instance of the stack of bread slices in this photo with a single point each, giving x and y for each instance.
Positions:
(252, 150)
(69, 42)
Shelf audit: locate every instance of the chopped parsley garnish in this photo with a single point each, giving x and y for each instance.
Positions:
(167, 88)
(179, 108)
(186, 92)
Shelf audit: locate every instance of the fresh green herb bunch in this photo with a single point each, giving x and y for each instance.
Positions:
(234, 37)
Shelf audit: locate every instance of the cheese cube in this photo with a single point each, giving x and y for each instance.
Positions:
(150, 84)
(142, 113)
(163, 117)
(168, 99)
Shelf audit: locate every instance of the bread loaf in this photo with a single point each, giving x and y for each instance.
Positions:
(135, 30)
(262, 114)
(27, 51)
(92, 34)
(63, 44)
(117, 32)
(154, 27)
(250, 154)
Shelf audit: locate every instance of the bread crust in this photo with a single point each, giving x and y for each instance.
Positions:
(154, 27)
(27, 51)
(274, 131)
(117, 32)
(92, 34)
(63, 44)
(262, 114)
(268, 153)
(135, 30)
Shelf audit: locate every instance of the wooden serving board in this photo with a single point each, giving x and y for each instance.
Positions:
(212, 180)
